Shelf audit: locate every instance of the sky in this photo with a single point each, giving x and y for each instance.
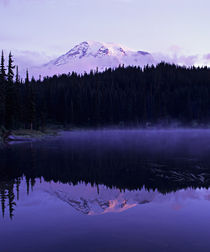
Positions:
(39, 30)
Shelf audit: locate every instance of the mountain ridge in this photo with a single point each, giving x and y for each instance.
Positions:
(90, 56)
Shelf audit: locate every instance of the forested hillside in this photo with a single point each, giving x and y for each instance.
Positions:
(126, 96)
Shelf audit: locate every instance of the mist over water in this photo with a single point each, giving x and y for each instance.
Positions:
(113, 189)
(163, 141)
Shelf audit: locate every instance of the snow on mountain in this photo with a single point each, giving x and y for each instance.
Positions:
(90, 55)
(98, 200)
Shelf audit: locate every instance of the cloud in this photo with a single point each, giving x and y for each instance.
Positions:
(176, 55)
(206, 59)
(28, 59)
(31, 58)
(206, 56)
(187, 60)
(176, 58)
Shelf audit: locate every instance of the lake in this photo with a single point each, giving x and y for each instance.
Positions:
(107, 190)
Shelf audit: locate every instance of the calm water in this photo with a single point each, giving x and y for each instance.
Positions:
(111, 190)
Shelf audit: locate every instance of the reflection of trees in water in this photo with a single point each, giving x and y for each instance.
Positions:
(3, 196)
(130, 170)
(7, 197)
(12, 173)
(9, 193)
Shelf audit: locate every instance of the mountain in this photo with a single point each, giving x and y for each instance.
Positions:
(90, 55)
(98, 200)
(90, 200)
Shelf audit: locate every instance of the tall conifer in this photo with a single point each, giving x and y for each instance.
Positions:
(10, 94)
(17, 77)
(10, 74)
(2, 68)
(2, 90)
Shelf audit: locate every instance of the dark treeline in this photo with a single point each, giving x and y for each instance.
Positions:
(114, 168)
(125, 171)
(131, 95)
(67, 160)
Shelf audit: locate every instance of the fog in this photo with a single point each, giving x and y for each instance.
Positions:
(176, 142)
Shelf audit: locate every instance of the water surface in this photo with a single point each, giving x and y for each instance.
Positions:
(109, 190)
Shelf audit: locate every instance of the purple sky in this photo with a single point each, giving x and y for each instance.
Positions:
(38, 30)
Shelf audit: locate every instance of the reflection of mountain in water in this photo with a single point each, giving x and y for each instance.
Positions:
(99, 199)
(133, 160)
(96, 200)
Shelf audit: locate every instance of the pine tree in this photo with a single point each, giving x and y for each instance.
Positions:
(30, 106)
(17, 77)
(10, 94)
(10, 74)
(27, 78)
(17, 101)
(2, 90)
(2, 68)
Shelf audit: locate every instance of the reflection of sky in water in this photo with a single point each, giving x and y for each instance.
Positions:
(64, 217)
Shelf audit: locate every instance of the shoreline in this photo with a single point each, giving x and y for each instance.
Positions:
(27, 135)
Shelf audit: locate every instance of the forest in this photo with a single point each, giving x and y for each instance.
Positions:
(125, 96)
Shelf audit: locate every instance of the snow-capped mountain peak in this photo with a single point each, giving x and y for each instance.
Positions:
(93, 49)
(91, 55)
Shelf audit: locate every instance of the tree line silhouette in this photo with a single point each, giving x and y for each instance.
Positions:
(126, 95)
(125, 170)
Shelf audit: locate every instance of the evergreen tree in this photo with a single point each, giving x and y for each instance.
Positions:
(31, 107)
(17, 77)
(127, 95)
(2, 90)
(2, 68)
(17, 100)
(27, 78)
(10, 74)
(10, 94)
